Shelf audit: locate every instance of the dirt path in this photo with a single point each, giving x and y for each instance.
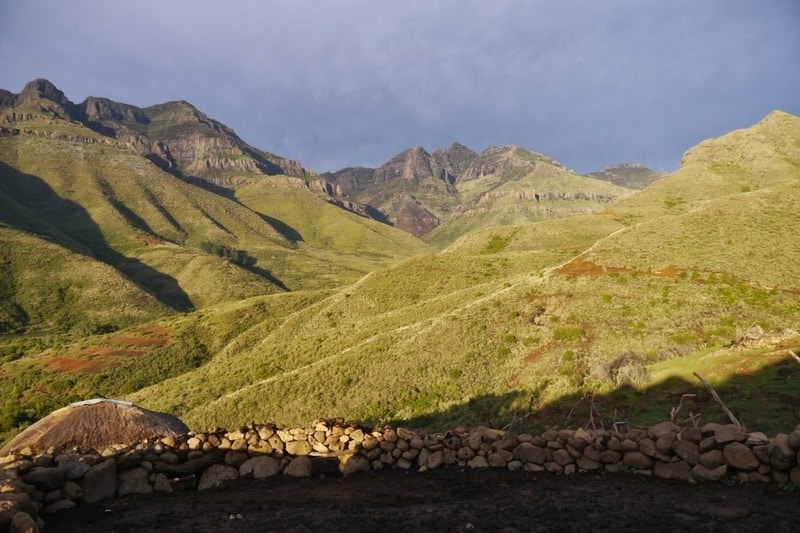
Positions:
(447, 500)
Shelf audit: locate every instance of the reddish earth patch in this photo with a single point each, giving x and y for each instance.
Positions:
(533, 355)
(83, 366)
(581, 267)
(112, 351)
(137, 341)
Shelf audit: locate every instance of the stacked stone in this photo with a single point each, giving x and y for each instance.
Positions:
(48, 482)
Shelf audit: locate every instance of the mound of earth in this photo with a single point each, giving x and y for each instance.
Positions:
(447, 500)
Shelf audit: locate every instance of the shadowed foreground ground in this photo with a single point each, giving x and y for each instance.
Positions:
(448, 500)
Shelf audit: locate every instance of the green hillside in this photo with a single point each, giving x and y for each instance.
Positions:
(271, 298)
(528, 317)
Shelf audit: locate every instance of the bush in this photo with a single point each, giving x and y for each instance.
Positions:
(628, 368)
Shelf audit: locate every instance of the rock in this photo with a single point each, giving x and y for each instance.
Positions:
(21, 501)
(507, 442)
(133, 481)
(235, 458)
(794, 438)
(659, 430)
(216, 475)
(755, 477)
(60, 505)
(756, 439)
(262, 447)
(478, 461)
(691, 434)
(794, 475)
(707, 444)
(160, 483)
(298, 448)
(405, 464)
(637, 460)
(562, 457)
(44, 478)
(300, 466)
(72, 491)
(740, 457)
(781, 454)
(23, 523)
(701, 473)
(475, 439)
(100, 482)
(664, 442)
(465, 453)
(528, 453)
(435, 460)
(592, 453)
(496, 460)
(356, 463)
(8, 509)
(169, 458)
(515, 465)
(584, 463)
(610, 456)
(687, 450)
(730, 433)
(260, 467)
(762, 453)
(712, 459)
(73, 469)
(678, 470)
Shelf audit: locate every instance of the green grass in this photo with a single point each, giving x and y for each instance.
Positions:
(513, 320)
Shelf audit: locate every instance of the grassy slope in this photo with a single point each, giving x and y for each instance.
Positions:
(508, 316)
(333, 245)
(522, 319)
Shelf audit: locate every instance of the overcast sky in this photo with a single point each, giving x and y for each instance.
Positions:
(354, 82)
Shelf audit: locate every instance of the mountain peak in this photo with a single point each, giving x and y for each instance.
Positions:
(42, 88)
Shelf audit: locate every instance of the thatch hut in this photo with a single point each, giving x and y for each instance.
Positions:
(94, 425)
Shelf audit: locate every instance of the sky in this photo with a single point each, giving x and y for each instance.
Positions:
(342, 83)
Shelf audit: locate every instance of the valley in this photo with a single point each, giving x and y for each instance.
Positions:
(152, 255)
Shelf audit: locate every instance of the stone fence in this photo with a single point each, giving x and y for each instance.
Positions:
(32, 485)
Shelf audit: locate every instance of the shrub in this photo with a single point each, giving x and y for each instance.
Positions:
(628, 368)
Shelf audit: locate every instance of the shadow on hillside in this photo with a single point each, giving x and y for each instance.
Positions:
(768, 401)
(42, 211)
(281, 227)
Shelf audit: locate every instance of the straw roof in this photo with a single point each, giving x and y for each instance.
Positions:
(95, 425)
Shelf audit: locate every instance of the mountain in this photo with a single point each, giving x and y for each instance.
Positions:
(527, 324)
(630, 175)
(443, 195)
(549, 300)
(135, 190)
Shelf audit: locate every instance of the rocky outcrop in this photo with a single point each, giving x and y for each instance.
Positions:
(406, 212)
(500, 159)
(413, 165)
(456, 159)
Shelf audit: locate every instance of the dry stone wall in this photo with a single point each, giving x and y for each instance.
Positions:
(34, 485)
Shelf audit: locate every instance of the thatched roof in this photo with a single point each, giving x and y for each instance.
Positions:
(95, 425)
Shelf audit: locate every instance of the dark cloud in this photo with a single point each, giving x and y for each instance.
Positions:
(353, 82)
